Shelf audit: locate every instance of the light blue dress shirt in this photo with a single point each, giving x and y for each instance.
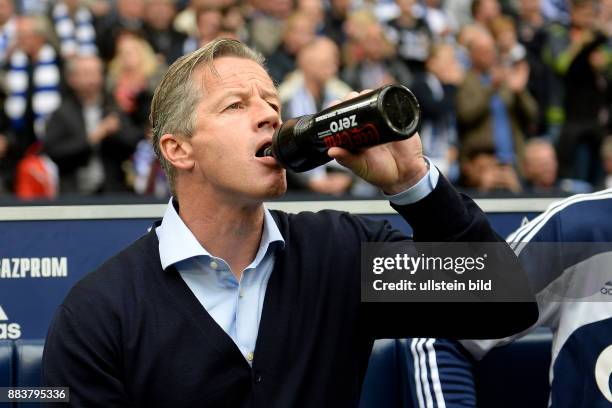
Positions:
(236, 305)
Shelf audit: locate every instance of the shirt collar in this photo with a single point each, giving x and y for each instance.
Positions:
(177, 242)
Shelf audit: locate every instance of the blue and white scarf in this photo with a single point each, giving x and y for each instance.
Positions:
(76, 36)
(7, 39)
(45, 95)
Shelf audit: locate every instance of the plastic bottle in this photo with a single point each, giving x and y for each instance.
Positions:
(387, 114)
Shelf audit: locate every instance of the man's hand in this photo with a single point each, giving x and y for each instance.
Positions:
(3, 145)
(394, 167)
(107, 126)
(518, 77)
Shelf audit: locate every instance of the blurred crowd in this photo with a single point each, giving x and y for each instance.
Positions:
(516, 95)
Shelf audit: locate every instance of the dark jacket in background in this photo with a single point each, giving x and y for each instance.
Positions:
(67, 145)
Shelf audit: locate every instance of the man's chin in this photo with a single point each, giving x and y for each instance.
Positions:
(277, 191)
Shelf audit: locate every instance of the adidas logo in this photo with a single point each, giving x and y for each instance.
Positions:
(606, 289)
(8, 330)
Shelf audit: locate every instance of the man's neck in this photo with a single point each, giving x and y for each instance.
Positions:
(90, 100)
(228, 231)
(314, 88)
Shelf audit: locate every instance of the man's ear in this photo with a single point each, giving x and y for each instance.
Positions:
(177, 150)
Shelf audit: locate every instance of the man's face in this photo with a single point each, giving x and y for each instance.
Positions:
(86, 77)
(236, 118)
(482, 52)
(131, 9)
(209, 24)
(583, 16)
(299, 33)
(529, 6)
(6, 10)
(159, 13)
(476, 168)
(28, 39)
(319, 61)
(541, 165)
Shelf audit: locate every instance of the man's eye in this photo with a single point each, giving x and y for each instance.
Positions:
(274, 106)
(235, 105)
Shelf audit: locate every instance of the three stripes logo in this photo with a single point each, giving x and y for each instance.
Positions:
(607, 288)
(10, 331)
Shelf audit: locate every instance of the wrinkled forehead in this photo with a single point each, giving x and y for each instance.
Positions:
(233, 73)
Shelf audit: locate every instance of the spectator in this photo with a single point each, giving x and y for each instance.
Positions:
(334, 20)
(100, 8)
(529, 20)
(186, 21)
(491, 101)
(297, 32)
(8, 155)
(313, 10)
(378, 64)
(484, 12)
(481, 171)
(411, 35)
(159, 32)
(436, 90)
(88, 137)
(556, 11)
(513, 56)
(266, 21)
(128, 17)
(511, 52)
(459, 10)
(540, 170)
(132, 75)
(33, 7)
(352, 52)
(149, 177)
(441, 23)
(604, 17)
(209, 21)
(464, 38)
(531, 33)
(309, 89)
(32, 80)
(234, 24)
(74, 26)
(578, 59)
(7, 29)
(36, 176)
(606, 156)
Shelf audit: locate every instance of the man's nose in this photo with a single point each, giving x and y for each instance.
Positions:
(267, 115)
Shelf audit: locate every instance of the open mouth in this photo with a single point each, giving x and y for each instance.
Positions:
(264, 150)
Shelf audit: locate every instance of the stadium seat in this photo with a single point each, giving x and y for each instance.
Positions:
(6, 366)
(28, 361)
(516, 375)
(511, 376)
(382, 385)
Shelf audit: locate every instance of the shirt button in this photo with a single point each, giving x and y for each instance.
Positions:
(241, 294)
(258, 378)
(214, 265)
(250, 356)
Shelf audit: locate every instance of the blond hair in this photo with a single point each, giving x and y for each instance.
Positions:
(148, 61)
(173, 109)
